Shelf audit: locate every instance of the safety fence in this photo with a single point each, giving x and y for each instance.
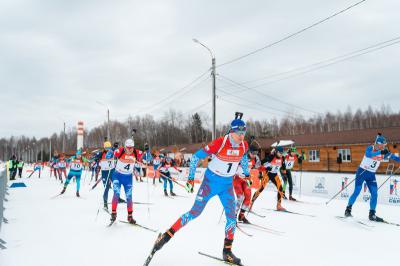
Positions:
(3, 191)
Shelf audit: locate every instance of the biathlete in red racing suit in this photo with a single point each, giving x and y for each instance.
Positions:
(228, 152)
(242, 185)
(122, 176)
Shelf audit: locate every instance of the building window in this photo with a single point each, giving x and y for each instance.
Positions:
(345, 154)
(313, 156)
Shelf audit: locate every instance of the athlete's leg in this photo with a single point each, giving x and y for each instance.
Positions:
(360, 177)
(204, 194)
(227, 198)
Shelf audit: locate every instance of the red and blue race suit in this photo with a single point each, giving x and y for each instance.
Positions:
(226, 156)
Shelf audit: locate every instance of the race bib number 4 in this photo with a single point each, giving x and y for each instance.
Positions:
(124, 168)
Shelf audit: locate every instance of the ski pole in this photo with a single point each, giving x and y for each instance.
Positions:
(176, 182)
(301, 175)
(389, 177)
(340, 191)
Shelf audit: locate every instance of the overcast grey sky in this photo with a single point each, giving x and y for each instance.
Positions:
(57, 58)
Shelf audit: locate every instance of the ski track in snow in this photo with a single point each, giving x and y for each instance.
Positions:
(65, 231)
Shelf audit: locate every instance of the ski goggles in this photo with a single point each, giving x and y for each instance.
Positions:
(240, 130)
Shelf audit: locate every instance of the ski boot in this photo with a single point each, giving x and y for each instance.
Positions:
(242, 218)
(347, 212)
(279, 207)
(113, 216)
(163, 239)
(291, 198)
(374, 218)
(159, 180)
(63, 190)
(105, 206)
(172, 193)
(165, 193)
(227, 254)
(284, 196)
(130, 219)
(77, 194)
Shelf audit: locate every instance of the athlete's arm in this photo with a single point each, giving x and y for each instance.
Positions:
(370, 153)
(394, 157)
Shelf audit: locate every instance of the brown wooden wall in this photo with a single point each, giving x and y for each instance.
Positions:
(329, 154)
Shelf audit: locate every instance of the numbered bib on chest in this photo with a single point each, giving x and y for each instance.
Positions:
(165, 168)
(76, 166)
(371, 164)
(107, 164)
(125, 165)
(289, 163)
(156, 162)
(275, 165)
(223, 168)
(62, 164)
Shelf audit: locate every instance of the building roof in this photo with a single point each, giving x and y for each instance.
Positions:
(347, 137)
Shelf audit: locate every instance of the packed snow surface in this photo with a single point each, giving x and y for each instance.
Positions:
(67, 230)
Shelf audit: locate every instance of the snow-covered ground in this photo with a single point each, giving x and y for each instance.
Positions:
(67, 231)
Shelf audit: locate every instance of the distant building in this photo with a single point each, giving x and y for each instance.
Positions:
(326, 152)
(337, 151)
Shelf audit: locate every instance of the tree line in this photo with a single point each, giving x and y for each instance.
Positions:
(178, 128)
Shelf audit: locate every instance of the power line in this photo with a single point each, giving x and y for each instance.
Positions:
(292, 34)
(319, 62)
(326, 65)
(159, 104)
(179, 94)
(257, 103)
(191, 110)
(249, 106)
(266, 95)
(176, 92)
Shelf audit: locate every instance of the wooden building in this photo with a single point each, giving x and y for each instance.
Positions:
(337, 151)
(322, 150)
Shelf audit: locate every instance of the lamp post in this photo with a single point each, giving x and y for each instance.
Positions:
(213, 87)
(108, 119)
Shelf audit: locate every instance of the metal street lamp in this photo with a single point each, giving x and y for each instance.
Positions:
(213, 87)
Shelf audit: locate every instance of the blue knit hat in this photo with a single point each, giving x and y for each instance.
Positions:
(238, 125)
(380, 139)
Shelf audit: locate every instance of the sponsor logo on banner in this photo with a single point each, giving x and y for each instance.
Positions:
(394, 191)
(320, 186)
(366, 194)
(345, 192)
